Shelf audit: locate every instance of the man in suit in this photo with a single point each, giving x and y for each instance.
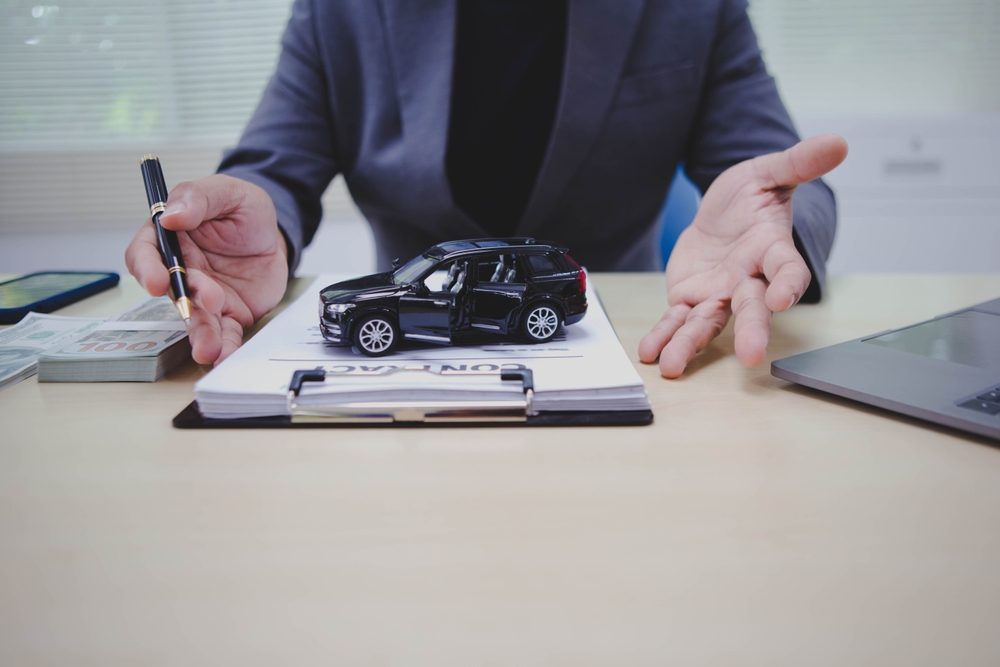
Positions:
(560, 119)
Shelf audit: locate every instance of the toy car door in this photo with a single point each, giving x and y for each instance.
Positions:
(426, 314)
(497, 293)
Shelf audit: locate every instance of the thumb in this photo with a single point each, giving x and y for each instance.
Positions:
(191, 203)
(803, 162)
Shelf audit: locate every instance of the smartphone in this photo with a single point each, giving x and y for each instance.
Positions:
(49, 290)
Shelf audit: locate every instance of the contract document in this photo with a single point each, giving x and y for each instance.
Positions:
(582, 369)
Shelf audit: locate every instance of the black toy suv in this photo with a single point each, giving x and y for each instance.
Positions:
(459, 292)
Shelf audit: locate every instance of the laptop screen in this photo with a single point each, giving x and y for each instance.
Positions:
(971, 338)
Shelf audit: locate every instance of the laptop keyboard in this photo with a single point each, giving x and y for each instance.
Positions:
(987, 402)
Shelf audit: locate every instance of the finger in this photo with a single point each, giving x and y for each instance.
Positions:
(652, 343)
(206, 336)
(191, 203)
(803, 162)
(142, 257)
(788, 275)
(710, 283)
(207, 293)
(704, 323)
(752, 321)
(232, 338)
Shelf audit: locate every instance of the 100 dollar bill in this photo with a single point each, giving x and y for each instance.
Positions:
(107, 343)
(23, 343)
(144, 330)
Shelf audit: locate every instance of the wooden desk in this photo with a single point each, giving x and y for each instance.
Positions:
(754, 523)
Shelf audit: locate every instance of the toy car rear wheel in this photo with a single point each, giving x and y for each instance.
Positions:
(376, 335)
(540, 323)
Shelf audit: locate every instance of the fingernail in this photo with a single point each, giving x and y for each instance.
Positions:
(174, 209)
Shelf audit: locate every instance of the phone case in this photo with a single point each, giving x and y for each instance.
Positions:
(56, 301)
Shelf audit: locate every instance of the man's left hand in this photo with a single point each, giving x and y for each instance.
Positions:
(738, 258)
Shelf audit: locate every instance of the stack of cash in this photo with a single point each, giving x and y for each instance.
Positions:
(140, 344)
(21, 344)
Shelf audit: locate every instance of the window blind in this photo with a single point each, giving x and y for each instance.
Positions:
(87, 87)
(882, 57)
(88, 74)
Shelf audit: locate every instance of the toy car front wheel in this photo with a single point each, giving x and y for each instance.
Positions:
(376, 335)
(540, 323)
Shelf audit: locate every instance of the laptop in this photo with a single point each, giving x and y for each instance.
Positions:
(945, 370)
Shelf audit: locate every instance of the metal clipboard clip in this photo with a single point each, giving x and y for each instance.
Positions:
(440, 412)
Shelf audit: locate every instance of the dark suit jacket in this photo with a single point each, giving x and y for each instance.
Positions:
(363, 88)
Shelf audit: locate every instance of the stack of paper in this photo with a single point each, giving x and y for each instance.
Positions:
(21, 344)
(584, 368)
(140, 344)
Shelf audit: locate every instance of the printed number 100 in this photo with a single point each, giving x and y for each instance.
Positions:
(116, 346)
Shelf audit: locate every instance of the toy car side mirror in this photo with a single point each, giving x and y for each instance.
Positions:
(396, 262)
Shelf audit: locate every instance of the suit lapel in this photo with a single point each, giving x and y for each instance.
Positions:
(422, 45)
(598, 41)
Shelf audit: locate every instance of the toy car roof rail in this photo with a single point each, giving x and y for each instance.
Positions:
(427, 411)
(501, 245)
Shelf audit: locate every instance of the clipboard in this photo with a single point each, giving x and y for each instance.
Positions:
(418, 412)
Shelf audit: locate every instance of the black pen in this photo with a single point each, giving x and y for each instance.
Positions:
(170, 248)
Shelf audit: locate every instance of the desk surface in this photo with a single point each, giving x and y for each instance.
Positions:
(754, 523)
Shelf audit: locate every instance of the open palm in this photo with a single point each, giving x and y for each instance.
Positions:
(738, 258)
(236, 259)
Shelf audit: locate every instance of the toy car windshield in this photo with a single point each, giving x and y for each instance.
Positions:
(413, 269)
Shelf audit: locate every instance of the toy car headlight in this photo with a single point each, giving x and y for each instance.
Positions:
(335, 309)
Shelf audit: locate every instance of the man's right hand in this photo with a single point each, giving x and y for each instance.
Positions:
(236, 257)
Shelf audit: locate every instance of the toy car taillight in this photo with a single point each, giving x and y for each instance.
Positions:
(581, 275)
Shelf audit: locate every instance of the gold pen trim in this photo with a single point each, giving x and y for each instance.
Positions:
(148, 157)
(158, 207)
(177, 269)
(184, 307)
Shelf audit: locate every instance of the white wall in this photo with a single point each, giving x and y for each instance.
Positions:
(916, 194)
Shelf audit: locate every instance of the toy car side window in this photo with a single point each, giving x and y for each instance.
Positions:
(498, 269)
(443, 278)
(542, 264)
(488, 268)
